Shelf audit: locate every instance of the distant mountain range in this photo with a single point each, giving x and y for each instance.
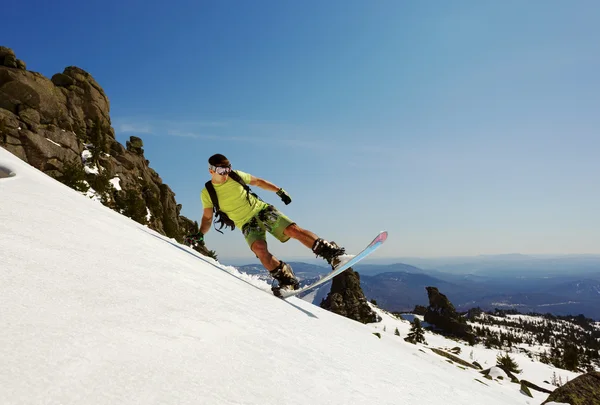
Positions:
(510, 264)
(557, 285)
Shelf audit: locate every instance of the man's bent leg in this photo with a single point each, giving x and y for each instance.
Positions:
(329, 251)
(284, 228)
(259, 247)
(279, 270)
(306, 237)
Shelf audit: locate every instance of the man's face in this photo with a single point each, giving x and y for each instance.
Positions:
(220, 172)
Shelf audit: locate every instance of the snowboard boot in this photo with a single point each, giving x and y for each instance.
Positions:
(285, 277)
(329, 251)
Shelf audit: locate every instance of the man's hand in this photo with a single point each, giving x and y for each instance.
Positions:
(194, 239)
(285, 197)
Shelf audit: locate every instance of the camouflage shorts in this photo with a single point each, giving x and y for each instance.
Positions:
(269, 220)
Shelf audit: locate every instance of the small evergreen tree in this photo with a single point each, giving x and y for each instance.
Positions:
(507, 363)
(556, 381)
(416, 334)
(570, 357)
(556, 357)
(99, 143)
(101, 184)
(492, 341)
(544, 358)
(130, 204)
(397, 332)
(73, 176)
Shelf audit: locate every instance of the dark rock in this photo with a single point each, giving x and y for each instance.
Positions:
(62, 80)
(583, 390)
(4, 52)
(10, 61)
(535, 387)
(420, 310)
(4, 172)
(14, 93)
(135, 145)
(454, 358)
(8, 58)
(29, 116)
(346, 298)
(525, 390)
(442, 314)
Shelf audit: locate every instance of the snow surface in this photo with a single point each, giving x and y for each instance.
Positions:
(98, 309)
(533, 371)
(116, 183)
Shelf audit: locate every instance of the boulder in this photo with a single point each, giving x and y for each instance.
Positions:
(346, 298)
(442, 314)
(583, 390)
(62, 80)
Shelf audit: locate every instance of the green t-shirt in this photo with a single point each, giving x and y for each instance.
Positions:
(233, 200)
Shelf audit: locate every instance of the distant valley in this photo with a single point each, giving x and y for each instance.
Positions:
(558, 285)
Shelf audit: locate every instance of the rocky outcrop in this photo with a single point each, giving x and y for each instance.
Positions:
(346, 298)
(62, 127)
(532, 386)
(8, 58)
(583, 390)
(442, 314)
(454, 358)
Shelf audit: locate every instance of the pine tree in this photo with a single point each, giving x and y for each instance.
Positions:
(544, 357)
(556, 357)
(416, 334)
(507, 363)
(73, 175)
(570, 357)
(397, 332)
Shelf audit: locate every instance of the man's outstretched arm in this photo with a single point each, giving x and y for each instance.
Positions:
(207, 216)
(264, 184)
(267, 185)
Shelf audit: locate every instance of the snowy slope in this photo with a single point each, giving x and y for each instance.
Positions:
(98, 309)
(532, 371)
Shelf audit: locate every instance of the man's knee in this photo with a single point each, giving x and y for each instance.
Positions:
(259, 248)
(293, 231)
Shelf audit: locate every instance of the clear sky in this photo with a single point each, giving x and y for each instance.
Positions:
(461, 127)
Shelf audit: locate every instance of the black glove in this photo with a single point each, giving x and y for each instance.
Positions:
(285, 197)
(194, 239)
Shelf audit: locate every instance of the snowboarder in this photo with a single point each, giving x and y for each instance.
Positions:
(228, 196)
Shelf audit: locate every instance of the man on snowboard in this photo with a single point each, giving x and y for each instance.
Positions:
(236, 205)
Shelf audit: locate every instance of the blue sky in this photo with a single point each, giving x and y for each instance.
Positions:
(462, 127)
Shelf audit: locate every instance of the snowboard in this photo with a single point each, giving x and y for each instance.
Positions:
(373, 246)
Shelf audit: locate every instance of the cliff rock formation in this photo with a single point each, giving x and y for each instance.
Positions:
(62, 127)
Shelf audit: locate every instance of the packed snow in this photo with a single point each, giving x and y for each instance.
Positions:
(116, 183)
(98, 309)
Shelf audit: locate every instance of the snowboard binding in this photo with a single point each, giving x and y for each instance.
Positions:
(330, 251)
(277, 289)
(283, 278)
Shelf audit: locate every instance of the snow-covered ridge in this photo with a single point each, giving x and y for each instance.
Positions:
(98, 309)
